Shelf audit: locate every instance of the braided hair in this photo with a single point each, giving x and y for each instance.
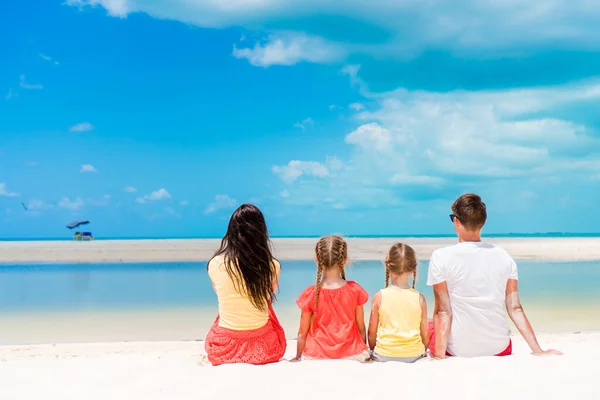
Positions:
(331, 252)
(401, 259)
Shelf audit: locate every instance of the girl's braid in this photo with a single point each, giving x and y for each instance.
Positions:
(387, 274)
(341, 256)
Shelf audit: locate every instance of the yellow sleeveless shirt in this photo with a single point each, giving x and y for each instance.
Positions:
(236, 311)
(399, 330)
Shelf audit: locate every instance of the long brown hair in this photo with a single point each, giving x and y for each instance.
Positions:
(331, 252)
(247, 256)
(401, 259)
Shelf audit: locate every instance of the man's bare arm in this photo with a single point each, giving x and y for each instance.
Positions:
(518, 317)
(442, 319)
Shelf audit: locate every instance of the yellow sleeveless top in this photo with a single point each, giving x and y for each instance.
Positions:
(399, 330)
(236, 312)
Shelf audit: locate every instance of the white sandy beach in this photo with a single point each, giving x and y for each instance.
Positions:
(175, 370)
(286, 249)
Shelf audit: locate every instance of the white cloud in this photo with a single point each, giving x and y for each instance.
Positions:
(157, 195)
(356, 106)
(221, 202)
(115, 8)
(417, 143)
(332, 107)
(184, 203)
(88, 168)
(485, 133)
(304, 124)
(32, 163)
(285, 193)
(371, 137)
(410, 26)
(334, 163)
(295, 169)
(4, 192)
(81, 127)
(130, 189)
(69, 204)
(48, 58)
(290, 49)
(11, 94)
(28, 86)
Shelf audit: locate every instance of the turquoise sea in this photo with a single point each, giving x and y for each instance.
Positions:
(175, 301)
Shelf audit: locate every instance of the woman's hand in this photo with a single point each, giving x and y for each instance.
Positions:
(296, 359)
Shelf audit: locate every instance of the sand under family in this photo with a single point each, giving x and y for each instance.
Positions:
(475, 286)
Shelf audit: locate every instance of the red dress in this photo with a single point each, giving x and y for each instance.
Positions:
(334, 333)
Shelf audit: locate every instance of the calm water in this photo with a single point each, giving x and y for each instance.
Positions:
(68, 287)
(180, 296)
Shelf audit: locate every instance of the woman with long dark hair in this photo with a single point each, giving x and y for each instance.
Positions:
(245, 277)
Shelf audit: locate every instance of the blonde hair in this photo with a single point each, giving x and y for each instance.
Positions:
(331, 252)
(401, 259)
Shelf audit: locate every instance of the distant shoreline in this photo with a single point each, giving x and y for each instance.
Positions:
(164, 250)
(400, 236)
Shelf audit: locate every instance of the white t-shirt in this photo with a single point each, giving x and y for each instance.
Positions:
(476, 274)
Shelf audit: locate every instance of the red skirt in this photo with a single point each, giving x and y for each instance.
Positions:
(258, 346)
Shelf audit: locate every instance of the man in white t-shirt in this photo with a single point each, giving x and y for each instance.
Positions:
(475, 284)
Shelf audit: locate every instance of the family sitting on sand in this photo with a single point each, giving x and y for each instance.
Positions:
(474, 283)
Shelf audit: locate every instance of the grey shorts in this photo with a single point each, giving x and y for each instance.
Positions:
(362, 357)
(379, 358)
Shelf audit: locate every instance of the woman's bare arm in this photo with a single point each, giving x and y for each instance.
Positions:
(374, 320)
(305, 320)
(517, 315)
(442, 319)
(424, 322)
(360, 323)
(275, 283)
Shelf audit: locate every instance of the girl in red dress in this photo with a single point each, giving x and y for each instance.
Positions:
(332, 324)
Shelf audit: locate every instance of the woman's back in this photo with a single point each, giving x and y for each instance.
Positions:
(236, 311)
(399, 330)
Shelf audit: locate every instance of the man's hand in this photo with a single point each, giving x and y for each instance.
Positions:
(549, 352)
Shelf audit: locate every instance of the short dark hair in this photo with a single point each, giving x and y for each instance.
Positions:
(470, 211)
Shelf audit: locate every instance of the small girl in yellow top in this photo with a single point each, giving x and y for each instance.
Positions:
(398, 325)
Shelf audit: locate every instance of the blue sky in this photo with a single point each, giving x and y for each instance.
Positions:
(158, 118)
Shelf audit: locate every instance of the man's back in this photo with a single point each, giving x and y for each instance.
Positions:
(476, 274)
